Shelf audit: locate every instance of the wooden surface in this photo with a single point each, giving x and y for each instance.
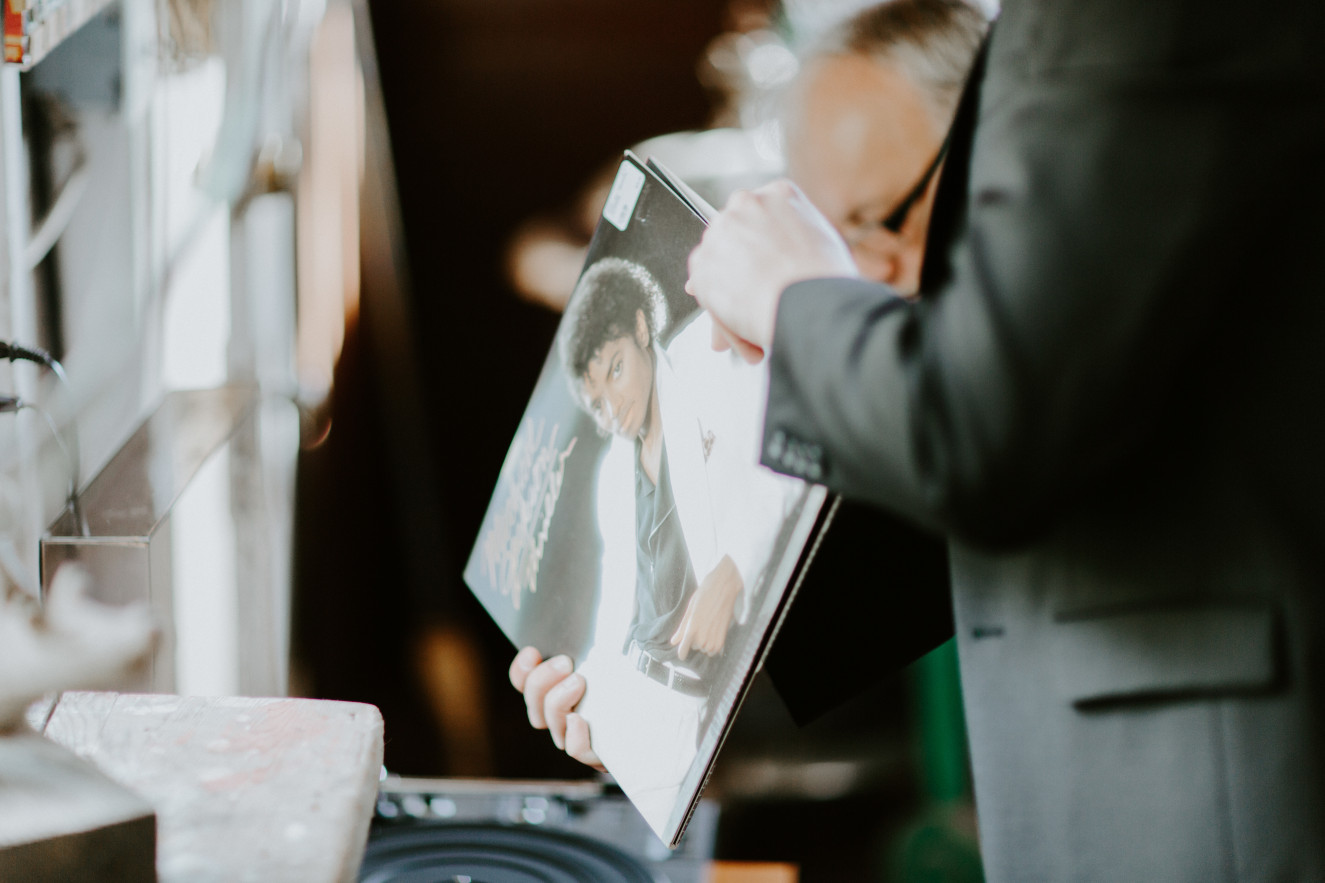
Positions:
(752, 872)
(244, 789)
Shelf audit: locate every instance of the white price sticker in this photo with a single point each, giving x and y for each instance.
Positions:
(622, 197)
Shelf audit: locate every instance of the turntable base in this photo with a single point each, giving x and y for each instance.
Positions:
(494, 831)
(494, 853)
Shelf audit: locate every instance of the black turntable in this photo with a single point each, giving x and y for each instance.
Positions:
(479, 831)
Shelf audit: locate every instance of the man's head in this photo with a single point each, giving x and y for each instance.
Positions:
(606, 344)
(867, 118)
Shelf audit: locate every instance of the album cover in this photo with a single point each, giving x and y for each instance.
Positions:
(632, 527)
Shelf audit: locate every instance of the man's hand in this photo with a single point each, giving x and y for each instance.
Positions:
(708, 616)
(551, 690)
(763, 241)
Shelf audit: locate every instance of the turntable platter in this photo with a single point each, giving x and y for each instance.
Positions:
(495, 853)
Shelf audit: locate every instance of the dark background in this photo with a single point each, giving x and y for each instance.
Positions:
(497, 111)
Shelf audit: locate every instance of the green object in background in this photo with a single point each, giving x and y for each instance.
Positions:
(940, 844)
(945, 774)
(936, 849)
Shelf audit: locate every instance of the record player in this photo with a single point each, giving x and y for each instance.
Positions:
(502, 831)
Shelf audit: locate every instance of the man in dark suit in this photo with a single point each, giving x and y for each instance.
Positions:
(1109, 397)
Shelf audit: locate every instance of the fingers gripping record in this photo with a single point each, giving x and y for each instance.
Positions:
(551, 691)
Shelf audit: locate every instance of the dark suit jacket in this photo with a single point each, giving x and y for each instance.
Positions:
(1113, 405)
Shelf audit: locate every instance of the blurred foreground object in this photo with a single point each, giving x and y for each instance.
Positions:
(73, 642)
(191, 517)
(61, 819)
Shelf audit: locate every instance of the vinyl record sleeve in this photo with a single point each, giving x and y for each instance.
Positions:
(595, 548)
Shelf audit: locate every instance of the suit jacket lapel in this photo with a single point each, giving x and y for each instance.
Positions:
(687, 467)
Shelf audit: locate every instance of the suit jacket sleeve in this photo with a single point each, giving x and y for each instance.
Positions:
(1112, 215)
